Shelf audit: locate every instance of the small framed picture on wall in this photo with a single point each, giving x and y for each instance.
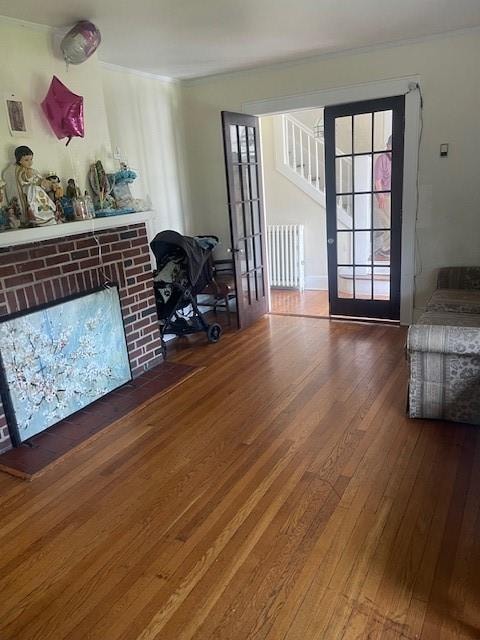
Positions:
(16, 115)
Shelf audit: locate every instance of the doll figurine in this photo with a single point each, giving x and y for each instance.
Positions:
(55, 191)
(72, 190)
(30, 189)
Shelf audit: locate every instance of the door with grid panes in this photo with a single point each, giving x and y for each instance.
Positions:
(245, 203)
(364, 181)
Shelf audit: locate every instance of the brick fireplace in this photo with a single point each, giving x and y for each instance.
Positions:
(35, 273)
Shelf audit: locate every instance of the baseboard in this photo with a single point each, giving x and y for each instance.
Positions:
(316, 283)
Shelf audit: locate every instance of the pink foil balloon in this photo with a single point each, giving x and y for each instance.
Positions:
(64, 111)
(80, 42)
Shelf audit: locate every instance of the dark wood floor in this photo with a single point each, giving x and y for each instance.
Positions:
(281, 494)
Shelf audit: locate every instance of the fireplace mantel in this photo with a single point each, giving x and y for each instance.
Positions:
(39, 234)
(41, 265)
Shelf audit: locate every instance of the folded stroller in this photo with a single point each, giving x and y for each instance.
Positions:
(184, 269)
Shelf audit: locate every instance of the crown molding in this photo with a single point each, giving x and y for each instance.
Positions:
(25, 24)
(311, 58)
(136, 72)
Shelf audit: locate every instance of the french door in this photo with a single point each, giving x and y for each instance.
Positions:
(364, 181)
(245, 203)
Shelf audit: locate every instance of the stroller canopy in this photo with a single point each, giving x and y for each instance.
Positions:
(167, 244)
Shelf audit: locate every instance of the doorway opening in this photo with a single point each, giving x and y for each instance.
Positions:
(333, 183)
(295, 208)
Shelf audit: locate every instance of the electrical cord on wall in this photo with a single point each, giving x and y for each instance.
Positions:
(415, 86)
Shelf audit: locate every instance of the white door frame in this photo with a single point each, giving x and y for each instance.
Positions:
(370, 91)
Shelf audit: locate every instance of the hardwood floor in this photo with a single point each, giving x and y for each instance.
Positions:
(281, 494)
(293, 303)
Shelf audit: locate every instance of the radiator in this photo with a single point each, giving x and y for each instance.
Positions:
(286, 256)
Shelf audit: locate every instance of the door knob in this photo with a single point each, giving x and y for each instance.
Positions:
(330, 241)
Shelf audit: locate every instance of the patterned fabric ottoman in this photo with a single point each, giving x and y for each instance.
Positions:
(444, 351)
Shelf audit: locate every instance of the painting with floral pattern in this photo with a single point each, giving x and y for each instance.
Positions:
(59, 358)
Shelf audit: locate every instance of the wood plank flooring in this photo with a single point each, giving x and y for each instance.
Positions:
(281, 494)
(296, 303)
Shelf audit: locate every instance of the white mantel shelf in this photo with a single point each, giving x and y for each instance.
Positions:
(39, 234)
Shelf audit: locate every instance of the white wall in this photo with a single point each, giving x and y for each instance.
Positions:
(28, 64)
(139, 114)
(143, 116)
(285, 203)
(448, 226)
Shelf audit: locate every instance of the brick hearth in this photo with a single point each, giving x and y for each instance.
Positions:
(33, 274)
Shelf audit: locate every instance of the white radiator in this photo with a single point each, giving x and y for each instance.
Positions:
(286, 256)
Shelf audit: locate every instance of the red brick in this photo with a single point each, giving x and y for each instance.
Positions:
(113, 257)
(145, 322)
(30, 296)
(40, 293)
(47, 285)
(66, 247)
(22, 299)
(7, 271)
(68, 268)
(63, 257)
(120, 246)
(134, 354)
(48, 274)
(78, 255)
(132, 271)
(28, 267)
(41, 252)
(145, 358)
(143, 341)
(140, 242)
(17, 281)
(87, 243)
(107, 238)
(88, 264)
(12, 257)
(137, 289)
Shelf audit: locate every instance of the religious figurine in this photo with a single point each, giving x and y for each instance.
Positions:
(55, 191)
(30, 189)
(14, 214)
(72, 190)
(3, 194)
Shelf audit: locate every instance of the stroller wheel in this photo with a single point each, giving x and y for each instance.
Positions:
(214, 332)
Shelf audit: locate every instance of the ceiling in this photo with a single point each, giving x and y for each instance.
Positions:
(192, 38)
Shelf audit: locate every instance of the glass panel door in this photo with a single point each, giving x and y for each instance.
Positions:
(364, 176)
(243, 169)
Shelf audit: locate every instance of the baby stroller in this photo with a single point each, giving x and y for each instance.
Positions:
(183, 270)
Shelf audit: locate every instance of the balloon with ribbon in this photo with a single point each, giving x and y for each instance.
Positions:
(80, 42)
(64, 111)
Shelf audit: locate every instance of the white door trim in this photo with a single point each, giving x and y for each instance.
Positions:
(371, 91)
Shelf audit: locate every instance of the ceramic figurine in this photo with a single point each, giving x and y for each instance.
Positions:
(30, 189)
(14, 214)
(72, 190)
(56, 190)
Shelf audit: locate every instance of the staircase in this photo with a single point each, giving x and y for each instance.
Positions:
(300, 157)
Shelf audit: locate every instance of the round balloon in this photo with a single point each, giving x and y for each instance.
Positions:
(80, 42)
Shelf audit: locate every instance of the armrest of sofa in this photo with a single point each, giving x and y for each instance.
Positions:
(458, 278)
(433, 338)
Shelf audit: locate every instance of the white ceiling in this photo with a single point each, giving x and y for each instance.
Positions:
(191, 38)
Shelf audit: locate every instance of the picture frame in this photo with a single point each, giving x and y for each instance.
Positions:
(17, 117)
(59, 357)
